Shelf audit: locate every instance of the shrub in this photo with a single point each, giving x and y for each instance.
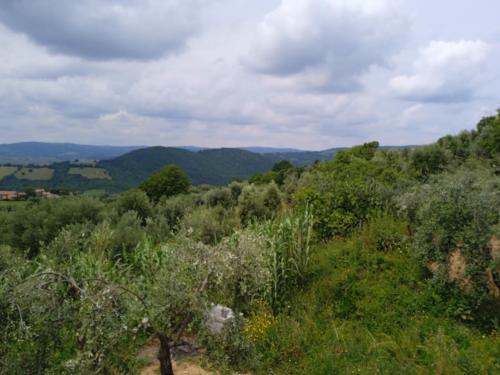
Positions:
(137, 201)
(236, 189)
(173, 209)
(256, 203)
(39, 223)
(218, 197)
(428, 160)
(341, 209)
(210, 224)
(127, 234)
(454, 225)
(384, 233)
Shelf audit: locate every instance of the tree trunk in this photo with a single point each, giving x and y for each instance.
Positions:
(164, 356)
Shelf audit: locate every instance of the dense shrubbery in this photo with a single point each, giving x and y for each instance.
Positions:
(409, 280)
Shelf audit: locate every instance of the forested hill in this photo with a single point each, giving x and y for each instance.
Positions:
(216, 167)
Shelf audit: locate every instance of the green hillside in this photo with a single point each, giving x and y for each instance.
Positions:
(44, 153)
(214, 167)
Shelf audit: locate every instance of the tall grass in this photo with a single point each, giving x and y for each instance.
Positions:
(290, 243)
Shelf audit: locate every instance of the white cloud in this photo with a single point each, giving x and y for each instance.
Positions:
(443, 72)
(327, 44)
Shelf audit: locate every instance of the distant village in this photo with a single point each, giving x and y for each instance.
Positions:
(6, 195)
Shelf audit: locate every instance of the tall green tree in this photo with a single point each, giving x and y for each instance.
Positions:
(169, 181)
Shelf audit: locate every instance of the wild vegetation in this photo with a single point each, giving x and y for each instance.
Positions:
(378, 261)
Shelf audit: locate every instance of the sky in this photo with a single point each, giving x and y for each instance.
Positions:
(309, 74)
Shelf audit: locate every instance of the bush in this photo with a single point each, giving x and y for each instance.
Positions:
(218, 197)
(428, 160)
(173, 209)
(340, 210)
(127, 234)
(455, 222)
(137, 201)
(236, 189)
(384, 233)
(210, 224)
(39, 223)
(256, 203)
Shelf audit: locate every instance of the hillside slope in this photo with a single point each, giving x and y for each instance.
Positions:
(215, 167)
(45, 153)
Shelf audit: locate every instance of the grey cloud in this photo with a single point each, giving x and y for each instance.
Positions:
(105, 29)
(328, 43)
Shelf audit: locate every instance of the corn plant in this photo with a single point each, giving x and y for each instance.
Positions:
(290, 242)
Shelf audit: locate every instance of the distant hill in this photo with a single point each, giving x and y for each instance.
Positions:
(41, 153)
(215, 167)
(270, 150)
(302, 158)
(121, 168)
(45, 153)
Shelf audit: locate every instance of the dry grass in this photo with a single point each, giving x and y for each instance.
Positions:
(457, 270)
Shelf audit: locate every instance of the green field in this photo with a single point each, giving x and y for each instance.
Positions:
(91, 173)
(35, 174)
(7, 171)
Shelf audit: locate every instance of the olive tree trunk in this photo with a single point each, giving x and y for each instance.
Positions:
(164, 356)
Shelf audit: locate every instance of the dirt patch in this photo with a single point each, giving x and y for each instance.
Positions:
(185, 366)
(434, 267)
(457, 270)
(495, 248)
(493, 283)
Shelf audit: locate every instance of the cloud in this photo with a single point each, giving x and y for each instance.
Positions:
(328, 44)
(105, 29)
(443, 72)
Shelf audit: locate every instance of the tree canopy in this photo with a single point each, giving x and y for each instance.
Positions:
(169, 181)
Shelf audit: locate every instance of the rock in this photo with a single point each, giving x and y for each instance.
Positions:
(219, 317)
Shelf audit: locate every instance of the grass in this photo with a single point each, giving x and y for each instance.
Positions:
(372, 311)
(90, 173)
(35, 174)
(7, 171)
